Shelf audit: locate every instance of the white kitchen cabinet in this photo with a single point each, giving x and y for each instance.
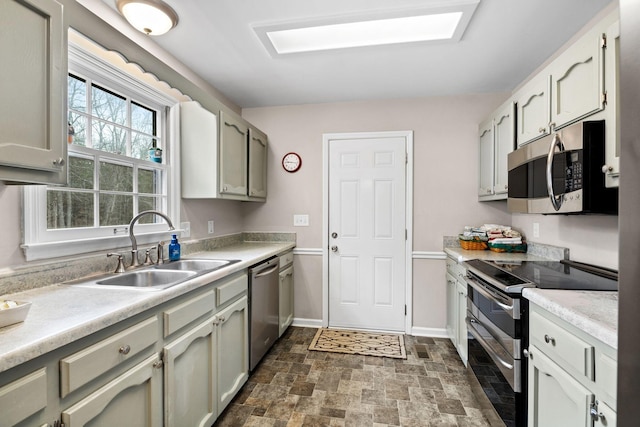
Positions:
(286, 292)
(555, 397)
(533, 109)
(572, 375)
(258, 151)
(132, 399)
(496, 142)
(33, 84)
(190, 387)
(228, 161)
(234, 134)
(612, 110)
(577, 81)
(457, 307)
(232, 351)
(23, 397)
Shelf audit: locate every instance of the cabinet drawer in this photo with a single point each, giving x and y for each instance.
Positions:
(229, 290)
(86, 365)
(286, 259)
(570, 352)
(23, 397)
(181, 315)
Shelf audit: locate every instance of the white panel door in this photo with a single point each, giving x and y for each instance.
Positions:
(367, 233)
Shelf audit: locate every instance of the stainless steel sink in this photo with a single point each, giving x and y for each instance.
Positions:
(150, 278)
(198, 265)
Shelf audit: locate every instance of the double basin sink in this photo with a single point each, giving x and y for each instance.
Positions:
(164, 276)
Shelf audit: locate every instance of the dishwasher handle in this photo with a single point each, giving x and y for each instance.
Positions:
(266, 272)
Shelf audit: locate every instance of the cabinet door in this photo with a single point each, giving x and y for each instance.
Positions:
(577, 81)
(132, 399)
(504, 143)
(612, 129)
(33, 84)
(23, 397)
(232, 351)
(607, 417)
(485, 182)
(286, 299)
(461, 333)
(189, 382)
(257, 164)
(533, 110)
(555, 397)
(452, 308)
(233, 156)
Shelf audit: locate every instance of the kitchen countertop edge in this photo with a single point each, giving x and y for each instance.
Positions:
(461, 255)
(63, 313)
(593, 312)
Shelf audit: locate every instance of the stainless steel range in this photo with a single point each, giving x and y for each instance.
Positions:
(498, 323)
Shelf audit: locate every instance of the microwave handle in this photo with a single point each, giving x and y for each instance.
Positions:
(556, 201)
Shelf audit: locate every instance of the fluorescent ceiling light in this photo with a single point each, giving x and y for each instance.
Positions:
(373, 29)
(368, 33)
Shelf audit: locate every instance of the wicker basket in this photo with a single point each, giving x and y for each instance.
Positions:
(473, 245)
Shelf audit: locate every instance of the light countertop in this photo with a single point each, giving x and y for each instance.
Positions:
(593, 312)
(461, 255)
(63, 313)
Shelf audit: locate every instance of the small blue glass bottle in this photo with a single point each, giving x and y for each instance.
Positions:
(174, 249)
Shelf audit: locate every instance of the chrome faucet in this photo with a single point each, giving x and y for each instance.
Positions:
(134, 243)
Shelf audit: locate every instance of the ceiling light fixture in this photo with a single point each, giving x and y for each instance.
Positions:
(441, 23)
(152, 17)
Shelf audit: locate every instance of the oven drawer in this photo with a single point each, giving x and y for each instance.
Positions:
(569, 351)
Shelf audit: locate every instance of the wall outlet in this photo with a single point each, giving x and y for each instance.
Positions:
(210, 227)
(301, 220)
(186, 229)
(536, 229)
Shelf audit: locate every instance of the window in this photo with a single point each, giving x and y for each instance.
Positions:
(118, 165)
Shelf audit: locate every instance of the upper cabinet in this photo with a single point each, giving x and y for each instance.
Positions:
(533, 109)
(496, 142)
(612, 111)
(228, 161)
(33, 47)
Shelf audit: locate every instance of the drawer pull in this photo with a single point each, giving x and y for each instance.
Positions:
(125, 349)
(549, 339)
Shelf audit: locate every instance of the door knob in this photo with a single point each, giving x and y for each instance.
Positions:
(334, 235)
(334, 248)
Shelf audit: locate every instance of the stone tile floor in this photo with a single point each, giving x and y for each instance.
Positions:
(293, 386)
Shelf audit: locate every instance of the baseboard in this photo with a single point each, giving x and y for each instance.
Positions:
(429, 332)
(307, 323)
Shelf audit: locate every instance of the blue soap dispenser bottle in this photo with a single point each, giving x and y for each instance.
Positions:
(174, 249)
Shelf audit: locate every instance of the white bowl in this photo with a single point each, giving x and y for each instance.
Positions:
(12, 315)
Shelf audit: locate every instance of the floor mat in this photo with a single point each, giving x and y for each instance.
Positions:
(359, 342)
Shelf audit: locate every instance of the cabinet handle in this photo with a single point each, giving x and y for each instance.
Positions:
(222, 319)
(159, 364)
(549, 339)
(125, 349)
(58, 162)
(506, 187)
(542, 130)
(607, 168)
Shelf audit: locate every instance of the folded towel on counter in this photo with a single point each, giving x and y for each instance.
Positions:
(507, 241)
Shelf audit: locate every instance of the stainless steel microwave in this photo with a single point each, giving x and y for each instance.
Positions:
(562, 173)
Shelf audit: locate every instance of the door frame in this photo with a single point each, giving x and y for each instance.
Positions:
(408, 136)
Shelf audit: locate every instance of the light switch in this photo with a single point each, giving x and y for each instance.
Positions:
(301, 220)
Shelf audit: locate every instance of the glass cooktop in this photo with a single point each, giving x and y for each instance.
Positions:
(546, 275)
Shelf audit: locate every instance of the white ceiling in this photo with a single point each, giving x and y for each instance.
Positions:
(505, 41)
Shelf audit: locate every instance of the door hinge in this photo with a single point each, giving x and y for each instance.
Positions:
(604, 98)
(603, 41)
(406, 234)
(405, 309)
(406, 158)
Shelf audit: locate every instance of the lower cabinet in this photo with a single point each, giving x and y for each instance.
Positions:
(232, 351)
(457, 307)
(555, 397)
(572, 375)
(23, 397)
(189, 381)
(134, 398)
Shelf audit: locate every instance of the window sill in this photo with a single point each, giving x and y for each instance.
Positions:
(49, 250)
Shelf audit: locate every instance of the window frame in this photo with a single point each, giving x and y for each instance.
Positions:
(41, 243)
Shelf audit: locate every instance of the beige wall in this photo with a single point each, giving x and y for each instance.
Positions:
(445, 180)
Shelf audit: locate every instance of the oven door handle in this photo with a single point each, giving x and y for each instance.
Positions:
(482, 291)
(486, 345)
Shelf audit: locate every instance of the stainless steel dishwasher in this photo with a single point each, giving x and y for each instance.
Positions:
(263, 308)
